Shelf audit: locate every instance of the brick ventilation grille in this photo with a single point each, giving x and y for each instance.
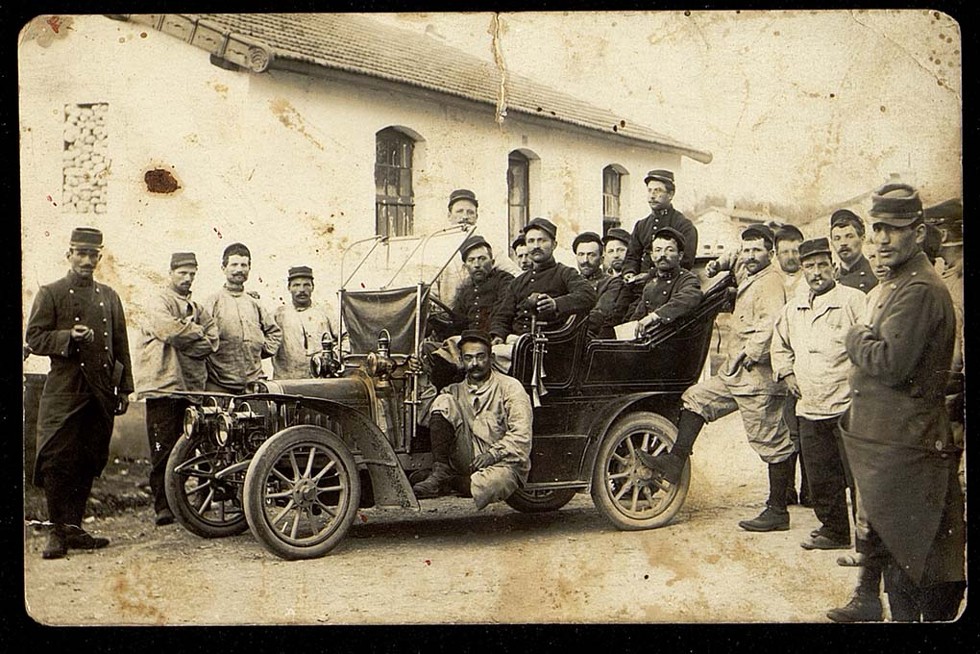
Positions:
(86, 158)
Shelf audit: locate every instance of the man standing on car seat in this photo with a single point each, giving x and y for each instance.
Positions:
(480, 430)
(744, 383)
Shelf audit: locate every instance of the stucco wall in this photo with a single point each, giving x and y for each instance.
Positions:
(281, 161)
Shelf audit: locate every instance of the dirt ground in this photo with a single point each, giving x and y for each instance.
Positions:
(452, 564)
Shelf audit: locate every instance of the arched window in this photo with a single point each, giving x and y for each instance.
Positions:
(518, 193)
(613, 177)
(394, 194)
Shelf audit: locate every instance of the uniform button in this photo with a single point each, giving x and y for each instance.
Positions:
(105, 333)
(914, 274)
(106, 348)
(894, 286)
(939, 445)
(82, 364)
(71, 291)
(105, 365)
(104, 320)
(857, 392)
(96, 289)
(101, 304)
(77, 319)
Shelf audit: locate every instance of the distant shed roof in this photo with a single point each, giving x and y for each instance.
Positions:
(357, 44)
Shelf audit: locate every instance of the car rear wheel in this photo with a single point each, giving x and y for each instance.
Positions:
(540, 501)
(301, 492)
(629, 494)
(202, 503)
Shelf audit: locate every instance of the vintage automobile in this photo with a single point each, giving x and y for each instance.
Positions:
(293, 460)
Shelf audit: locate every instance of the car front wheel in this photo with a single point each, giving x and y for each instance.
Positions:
(203, 503)
(301, 492)
(629, 494)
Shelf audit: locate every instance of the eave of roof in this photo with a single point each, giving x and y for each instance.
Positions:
(361, 46)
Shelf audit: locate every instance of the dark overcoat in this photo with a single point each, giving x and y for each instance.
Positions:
(896, 432)
(81, 373)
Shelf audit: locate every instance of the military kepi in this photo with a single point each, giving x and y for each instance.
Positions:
(617, 234)
(462, 194)
(844, 217)
(299, 271)
(896, 204)
(665, 176)
(470, 243)
(86, 237)
(758, 231)
(669, 232)
(814, 246)
(586, 237)
(179, 259)
(475, 336)
(544, 225)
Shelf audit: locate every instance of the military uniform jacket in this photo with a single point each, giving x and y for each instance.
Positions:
(672, 295)
(759, 300)
(896, 431)
(612, 303)
(80, 372)
(475, 301)
(571, 292)
(178, 335)
(637, 254)
(860, 276)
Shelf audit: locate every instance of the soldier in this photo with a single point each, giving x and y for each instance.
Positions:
(521, 257)
(672, 292)
(80, 325)
(246, 330)
(464, 210)
(615, 243)
(896, 432)
(303, 323)
(745, 383)
(846, 235)
(476, 299)
(550, 289)
(613, 299)
(480, 430)
(177, 337)
(808, 354)
(788, 239)
(660, 192)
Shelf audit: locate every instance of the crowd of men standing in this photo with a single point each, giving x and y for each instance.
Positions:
(843, 368)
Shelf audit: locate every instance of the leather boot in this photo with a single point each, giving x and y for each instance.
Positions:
(437, 483)
(55, 548)
(774, 517)
(865, 604)
(791, 497)
(670, 466)
(77, 538)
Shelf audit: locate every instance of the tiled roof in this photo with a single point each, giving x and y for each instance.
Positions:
(360, 45)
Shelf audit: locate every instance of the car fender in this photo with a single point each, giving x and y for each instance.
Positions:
(389, 484)
(665, 404)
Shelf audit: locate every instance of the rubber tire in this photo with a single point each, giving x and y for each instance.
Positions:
(524, 502)
(601, 494)
(261, 467)
(184, 513)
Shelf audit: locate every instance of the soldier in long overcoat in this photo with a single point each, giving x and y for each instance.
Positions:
(80, 325)
(897, 432)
